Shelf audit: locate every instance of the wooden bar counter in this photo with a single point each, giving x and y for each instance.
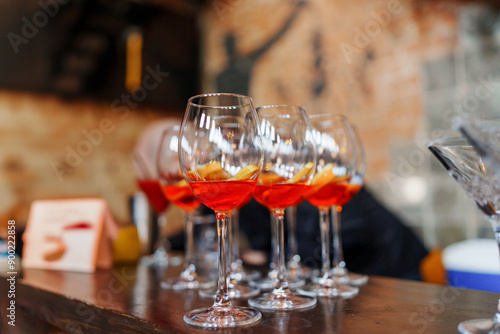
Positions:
(128, 299)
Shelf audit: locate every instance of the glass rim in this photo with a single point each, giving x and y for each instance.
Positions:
(446, 140)
(327, 114)
(450, 141)
(268, 106)
(247, 103)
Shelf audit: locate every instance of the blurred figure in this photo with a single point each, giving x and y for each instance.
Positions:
(235, 78)
(375, 242)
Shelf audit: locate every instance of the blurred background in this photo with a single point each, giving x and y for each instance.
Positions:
(80, 80)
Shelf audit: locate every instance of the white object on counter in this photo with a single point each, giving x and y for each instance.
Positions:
(475, 256)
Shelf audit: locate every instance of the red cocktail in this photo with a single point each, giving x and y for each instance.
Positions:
(154, 194)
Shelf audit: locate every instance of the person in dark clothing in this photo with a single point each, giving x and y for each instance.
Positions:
(375, 241)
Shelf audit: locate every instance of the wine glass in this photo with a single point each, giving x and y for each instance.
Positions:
(144, 163)
(356, 183)
(335, 169)
(289, 161)
(220, 155)
(177, 191)
(464, 163)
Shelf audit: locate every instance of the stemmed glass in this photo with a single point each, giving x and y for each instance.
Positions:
(336, 167)
(289, 161)
(220, 155)
(144, 163)
(356, 183)
(466, 166)
(177, 191)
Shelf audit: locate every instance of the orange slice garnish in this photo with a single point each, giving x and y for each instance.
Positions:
(269, 178)
(211, 171)
(326, 176)
(181, 183)
(246, 173)
(303, 172)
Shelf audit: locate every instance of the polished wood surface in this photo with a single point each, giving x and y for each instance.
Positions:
(128, 299)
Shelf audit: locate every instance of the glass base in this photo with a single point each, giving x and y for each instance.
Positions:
(356, 279)
(297, 269)
(346, 278)
(242, 274)
(222, 317)
(235, 290)
(269, 283)
(185, 284)
(329, 290)
(282, 301)
(479, 326)
(151, 260)
(160, 259)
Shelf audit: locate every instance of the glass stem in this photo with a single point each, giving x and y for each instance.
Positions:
(236, 240)
(496, 318)
(291, 215)
(281, 283)
(274, 246)
(338, 255)
(230, 240)
(324, 226)
(189, 267)
(160, 242)
(222, 298)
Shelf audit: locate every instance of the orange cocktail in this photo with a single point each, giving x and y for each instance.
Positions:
(329, 190)
(222, 195)
(181, 195)
(335, 193)
(278, 195)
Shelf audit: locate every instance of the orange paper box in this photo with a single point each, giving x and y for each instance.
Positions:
(69, 234)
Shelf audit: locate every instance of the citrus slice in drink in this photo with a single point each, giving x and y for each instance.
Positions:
(303, 172)
(246, 173)
(327, 176)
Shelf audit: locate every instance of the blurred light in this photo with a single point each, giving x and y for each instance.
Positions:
(133, 74)
(414, 189)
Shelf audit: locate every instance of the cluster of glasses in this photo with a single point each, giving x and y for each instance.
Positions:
(229, 152)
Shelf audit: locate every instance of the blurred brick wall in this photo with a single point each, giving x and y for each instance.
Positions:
(362, 58)
(373, 60)
(35, 131)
